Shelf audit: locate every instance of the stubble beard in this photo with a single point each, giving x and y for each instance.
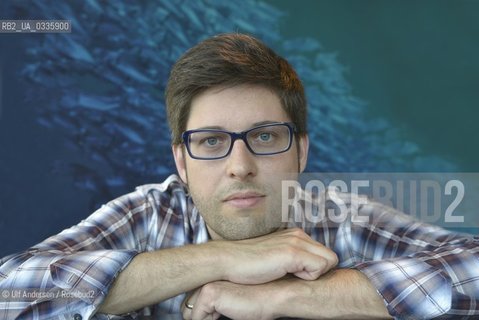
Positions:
(238, 224)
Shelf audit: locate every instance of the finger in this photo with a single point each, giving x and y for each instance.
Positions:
(203, 316)
(205, 302)
(328, 255)
(308, 266)
(186, 309)
(189, 303)
(315, 247)
(202, 313)
(321, 250)
(202, 309)
(310, 258)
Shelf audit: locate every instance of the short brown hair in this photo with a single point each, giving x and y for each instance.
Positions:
(229, 60)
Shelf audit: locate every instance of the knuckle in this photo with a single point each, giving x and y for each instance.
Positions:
(295, 242)
(209, 290)
(287, 254)
(322, 263)
(290, 250)
(297, 232)
(334, 260)
(329, 261)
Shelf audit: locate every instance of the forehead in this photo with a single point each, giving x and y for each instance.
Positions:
(235, 108)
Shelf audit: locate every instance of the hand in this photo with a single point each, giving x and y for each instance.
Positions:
(339, 294)
(270, 257)
(229, 299)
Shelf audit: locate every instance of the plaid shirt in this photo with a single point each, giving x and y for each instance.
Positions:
(421, 271)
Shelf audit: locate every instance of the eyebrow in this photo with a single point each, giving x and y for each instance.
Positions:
(256, 124)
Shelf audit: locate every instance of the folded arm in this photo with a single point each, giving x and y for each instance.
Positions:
(155, 276)
(339, 294)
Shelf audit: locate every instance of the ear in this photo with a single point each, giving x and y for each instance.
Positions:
(303, 146)
(180, 161)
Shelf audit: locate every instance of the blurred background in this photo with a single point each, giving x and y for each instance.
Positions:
(392, 86)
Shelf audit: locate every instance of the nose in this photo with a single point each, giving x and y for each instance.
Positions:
(241, 163)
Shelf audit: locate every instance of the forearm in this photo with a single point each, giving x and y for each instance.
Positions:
(155, 276)
(339, 294)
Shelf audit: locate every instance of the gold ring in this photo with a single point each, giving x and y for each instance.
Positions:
(189, 306)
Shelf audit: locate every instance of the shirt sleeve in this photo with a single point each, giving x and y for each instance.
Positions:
(67, 276)
(420, 270)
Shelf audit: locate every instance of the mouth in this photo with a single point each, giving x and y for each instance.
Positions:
(244, 200)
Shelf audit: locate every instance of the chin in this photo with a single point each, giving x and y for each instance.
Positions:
(246, 234)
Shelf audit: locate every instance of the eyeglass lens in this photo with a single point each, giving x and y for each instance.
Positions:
(262, 140)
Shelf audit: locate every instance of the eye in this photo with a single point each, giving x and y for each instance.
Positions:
(265, 136)
(211, 141)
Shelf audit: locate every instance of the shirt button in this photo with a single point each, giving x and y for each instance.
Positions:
(77, 316)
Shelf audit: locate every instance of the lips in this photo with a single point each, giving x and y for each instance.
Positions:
(244, 200)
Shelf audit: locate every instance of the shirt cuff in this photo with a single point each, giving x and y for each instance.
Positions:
(411, 288)
(87, 276)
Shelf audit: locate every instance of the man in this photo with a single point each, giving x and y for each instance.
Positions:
(237, 113)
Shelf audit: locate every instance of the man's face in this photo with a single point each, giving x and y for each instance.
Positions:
(238, 196)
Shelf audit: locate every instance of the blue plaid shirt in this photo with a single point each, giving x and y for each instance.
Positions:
(421, 271)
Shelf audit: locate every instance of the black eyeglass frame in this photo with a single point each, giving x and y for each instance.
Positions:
(239, 136)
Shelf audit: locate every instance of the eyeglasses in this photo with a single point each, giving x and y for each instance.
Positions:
(212, 144)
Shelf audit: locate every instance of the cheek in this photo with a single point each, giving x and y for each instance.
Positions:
(283, 163)
(202, 175)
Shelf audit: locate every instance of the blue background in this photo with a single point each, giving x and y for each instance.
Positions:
(391, 85)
